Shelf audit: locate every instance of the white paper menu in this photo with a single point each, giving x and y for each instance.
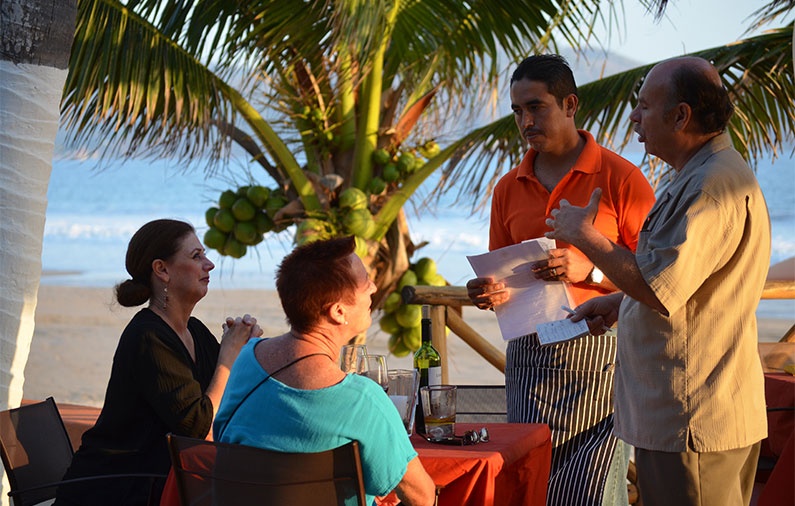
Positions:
(532, 301)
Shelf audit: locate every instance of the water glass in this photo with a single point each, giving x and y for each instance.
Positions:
(403, 385)
(374, 367)
(438, 406)
(349, 356)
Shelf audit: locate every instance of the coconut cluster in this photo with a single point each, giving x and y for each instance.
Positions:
(244, 215)
(402, 321)
(392, 168)
(242, 218)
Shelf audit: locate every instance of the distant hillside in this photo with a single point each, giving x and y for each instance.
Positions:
(593, 65)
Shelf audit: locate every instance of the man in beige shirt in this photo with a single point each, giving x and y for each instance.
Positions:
(689, 385)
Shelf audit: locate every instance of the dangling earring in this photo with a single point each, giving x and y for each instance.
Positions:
(165, 297)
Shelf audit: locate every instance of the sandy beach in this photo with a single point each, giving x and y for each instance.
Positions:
(77, 330)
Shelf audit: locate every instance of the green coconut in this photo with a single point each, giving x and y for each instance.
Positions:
(214, 239)
(353, 198)
(358, 222)
(243, 209)
(224, 220)
(412, 337)
(409, 315)
(396, 346)
(246, 232)
(258, 195)
(381, 156)
(209, 216)
(226, 199)
(392, 302)
(389, 324)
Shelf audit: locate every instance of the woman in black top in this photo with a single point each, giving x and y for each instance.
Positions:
(168, 373)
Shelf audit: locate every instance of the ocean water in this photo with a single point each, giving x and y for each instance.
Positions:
(92, 214)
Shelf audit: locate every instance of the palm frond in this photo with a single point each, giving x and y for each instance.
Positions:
(770, 12)
(468, 42)
(134, 89)
(758, 72)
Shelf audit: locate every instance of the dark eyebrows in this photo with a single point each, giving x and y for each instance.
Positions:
(532, 102)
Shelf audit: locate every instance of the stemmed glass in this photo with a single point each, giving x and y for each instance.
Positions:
(349, 356)
(374, 367)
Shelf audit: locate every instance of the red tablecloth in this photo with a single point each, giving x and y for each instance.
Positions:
(511, 469)
(779, 393)
(780, 486)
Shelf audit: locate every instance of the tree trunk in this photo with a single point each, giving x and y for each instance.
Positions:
(35, 41)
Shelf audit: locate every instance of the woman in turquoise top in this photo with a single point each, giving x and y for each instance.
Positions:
(288, 393)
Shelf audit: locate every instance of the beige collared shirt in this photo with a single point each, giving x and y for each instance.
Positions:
(693, 379)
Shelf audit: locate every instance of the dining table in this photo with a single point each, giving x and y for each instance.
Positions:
(512, 468)
(779, 489)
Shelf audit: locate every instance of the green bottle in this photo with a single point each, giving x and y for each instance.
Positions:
(429, 364)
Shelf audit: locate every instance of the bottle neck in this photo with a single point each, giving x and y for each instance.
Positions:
(426, 330)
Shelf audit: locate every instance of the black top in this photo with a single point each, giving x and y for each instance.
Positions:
(154, 388)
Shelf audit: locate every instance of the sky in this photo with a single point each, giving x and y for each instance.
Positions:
(688, 25)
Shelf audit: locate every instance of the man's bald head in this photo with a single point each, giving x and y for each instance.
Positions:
(697, 83)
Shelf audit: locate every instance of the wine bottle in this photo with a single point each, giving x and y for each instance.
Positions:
(428, 363)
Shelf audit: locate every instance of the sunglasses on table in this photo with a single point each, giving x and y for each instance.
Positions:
(469, 437)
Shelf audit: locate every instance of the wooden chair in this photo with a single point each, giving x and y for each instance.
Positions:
(214, 473)
(36, 452)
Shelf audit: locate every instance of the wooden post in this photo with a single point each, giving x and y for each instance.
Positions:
(470, 336)
(779, 289)
(439, 337)
(446, 302)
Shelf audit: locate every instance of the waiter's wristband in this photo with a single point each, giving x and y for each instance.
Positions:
(595, 277)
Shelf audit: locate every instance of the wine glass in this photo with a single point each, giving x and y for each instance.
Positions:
(374, 367)
(349, 356)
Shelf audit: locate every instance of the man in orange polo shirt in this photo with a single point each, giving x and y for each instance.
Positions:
(567, 385)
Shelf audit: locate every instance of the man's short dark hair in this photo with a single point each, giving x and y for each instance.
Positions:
(712, 108)
(550, 69)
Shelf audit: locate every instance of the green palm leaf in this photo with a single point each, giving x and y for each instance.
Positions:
(757, 71)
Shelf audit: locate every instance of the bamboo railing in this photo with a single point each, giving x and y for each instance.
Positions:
(446, 303)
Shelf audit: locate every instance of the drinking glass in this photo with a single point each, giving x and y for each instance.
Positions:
(438, 406)
(403, 386)
(349, 356)
(374, 367)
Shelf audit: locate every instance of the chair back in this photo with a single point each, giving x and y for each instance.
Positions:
(35, 449)
(213, 473)
(481, 404)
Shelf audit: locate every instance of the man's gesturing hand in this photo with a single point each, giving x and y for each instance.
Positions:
(569, 222)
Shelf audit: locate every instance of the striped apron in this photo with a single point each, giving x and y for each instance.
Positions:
(568, 386)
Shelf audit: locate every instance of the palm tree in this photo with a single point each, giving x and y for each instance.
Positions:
(328, 96)
(35, 37)
(324, 97)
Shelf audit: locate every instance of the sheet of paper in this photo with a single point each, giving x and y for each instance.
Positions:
(560, 330)
(532, 301)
